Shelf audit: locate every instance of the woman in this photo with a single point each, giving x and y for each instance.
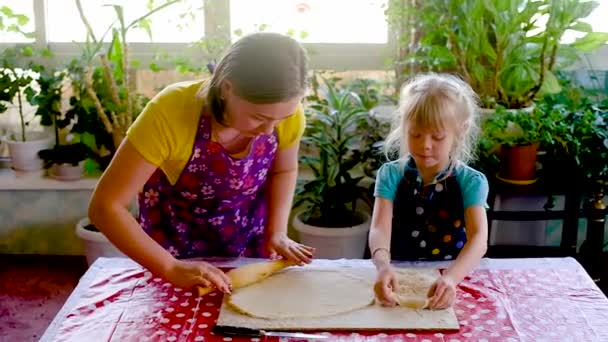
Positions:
(215, 165)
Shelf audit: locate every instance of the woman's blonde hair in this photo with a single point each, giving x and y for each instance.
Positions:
(437, 102)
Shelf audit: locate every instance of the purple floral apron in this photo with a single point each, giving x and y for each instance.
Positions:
(218, 205)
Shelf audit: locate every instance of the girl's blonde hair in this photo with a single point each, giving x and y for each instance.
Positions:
(437, 102)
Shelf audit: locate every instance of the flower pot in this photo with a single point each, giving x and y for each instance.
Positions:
(335, 243)
(24, 154)
(95, 243)
(518, 163)
(67, 172)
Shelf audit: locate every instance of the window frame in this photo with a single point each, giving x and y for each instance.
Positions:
(323, 56)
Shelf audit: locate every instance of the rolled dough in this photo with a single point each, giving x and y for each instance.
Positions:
(412, 288)
(303, 294)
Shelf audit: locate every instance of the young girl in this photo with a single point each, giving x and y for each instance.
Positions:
(215, 165)
(429, 204)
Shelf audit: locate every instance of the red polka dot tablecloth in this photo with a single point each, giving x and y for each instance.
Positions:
(531, 300)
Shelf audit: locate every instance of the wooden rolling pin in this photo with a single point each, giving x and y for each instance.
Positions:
(249, 274)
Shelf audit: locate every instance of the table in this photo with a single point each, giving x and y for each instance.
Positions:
(503, 300)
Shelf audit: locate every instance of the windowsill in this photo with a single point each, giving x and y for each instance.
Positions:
(35, 180)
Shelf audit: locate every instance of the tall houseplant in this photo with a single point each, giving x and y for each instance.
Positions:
(102, 78)
(506, 50)
(329, 217)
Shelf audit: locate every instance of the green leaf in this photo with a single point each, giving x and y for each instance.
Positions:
(591, 41)
(6, 11)
(550, 84)
(581, 27)
(22, 20)
(154, 67)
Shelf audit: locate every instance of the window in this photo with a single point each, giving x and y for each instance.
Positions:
(179, 22)
(25, 21)
(322, 21)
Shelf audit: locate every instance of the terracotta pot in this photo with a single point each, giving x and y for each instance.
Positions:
(518, 162)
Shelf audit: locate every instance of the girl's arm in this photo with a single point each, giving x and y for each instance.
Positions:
(476, 222)
(282, 184)
(380, 232)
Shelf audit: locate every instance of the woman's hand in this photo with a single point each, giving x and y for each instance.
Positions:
(186, 274)
(386, 283)
(280, 245)
(442, 293)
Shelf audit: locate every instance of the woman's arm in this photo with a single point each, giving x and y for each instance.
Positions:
(380, 232)
(282, 184)
(108, 209)
(476, 223)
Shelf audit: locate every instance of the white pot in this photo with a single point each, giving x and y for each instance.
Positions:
(335, 243)
(95, 243)
(67, 172)
(24, 154)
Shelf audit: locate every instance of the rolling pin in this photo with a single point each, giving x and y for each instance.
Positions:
(249, 274)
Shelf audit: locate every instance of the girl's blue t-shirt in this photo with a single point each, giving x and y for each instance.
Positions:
(473, 183)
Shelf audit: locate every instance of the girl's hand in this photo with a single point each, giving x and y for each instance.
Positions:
(442, 293)
(186, 274)
(280, 245)
(386, 283)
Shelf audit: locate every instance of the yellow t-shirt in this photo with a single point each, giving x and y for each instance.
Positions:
(164, 132)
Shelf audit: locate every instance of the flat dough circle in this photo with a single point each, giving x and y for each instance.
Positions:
(303, 294)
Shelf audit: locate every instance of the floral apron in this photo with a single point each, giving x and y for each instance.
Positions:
(428, 221)
(218, 205)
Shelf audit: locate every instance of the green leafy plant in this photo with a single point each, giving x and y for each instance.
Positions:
(515, 128)
(108, 86)
(18, 83)
(48, 102)
(580, 130)
(334, 117)
(506, 50)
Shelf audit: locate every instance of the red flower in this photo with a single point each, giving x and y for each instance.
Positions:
(248, 182)
(229, 231)
(189, 181)
(219, 166)
(158, 235)
(155, 217)
(259, 150)
(186, 215)
(214, 147)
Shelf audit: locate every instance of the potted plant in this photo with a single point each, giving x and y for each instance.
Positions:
(65, 161)
(506, 50)
(580, 132)
(18, 81)
(103, 90)
(328, 216)
(517, 137)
